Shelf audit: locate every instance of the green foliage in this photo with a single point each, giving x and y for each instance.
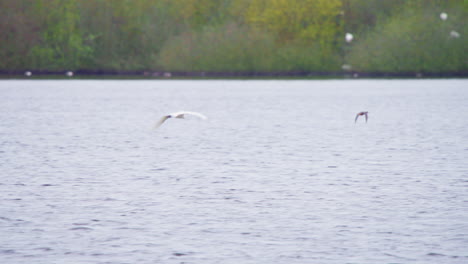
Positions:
(305, 21)
(363, 15)
(227, 36)
(61, 45)
(233, 35)
(223, 48)
(18, 34)
(195, 14)
(126, 35)
(416, 40)
(299, 57)
(233, 48)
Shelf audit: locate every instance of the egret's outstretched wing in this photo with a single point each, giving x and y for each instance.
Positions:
(195, 114)
(179, 114)
(164, 118)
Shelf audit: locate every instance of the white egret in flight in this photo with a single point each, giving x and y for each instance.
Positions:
(180, 114)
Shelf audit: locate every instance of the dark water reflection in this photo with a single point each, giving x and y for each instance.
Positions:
(279, 173)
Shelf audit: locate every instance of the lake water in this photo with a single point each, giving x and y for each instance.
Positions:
(278, 173)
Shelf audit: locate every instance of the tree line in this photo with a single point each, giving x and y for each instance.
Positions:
(234, 35)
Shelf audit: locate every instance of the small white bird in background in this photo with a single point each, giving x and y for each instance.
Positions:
(454, 34)
(180, 114)
(361, 114)
(443, 16)
(349, 37)
(346, 67)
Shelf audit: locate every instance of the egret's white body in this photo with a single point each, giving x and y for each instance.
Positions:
(349, 37)
(361, 114)
(443, 16)
(180, 114)
(454, 34)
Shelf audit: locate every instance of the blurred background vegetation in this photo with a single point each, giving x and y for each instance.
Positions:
(397, 36)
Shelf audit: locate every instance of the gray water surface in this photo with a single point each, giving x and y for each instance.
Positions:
(279, 173)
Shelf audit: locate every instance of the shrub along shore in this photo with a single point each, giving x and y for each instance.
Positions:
(86, 74)
(234, 38)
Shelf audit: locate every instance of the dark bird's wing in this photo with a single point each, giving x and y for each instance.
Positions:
(366, 117)
(355, 120)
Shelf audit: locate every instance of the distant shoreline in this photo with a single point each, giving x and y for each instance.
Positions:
(84, 74)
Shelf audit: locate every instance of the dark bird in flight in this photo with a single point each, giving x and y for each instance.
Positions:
(361, 114)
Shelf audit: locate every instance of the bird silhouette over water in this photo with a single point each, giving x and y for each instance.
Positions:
(180, 114)
(361, 114)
